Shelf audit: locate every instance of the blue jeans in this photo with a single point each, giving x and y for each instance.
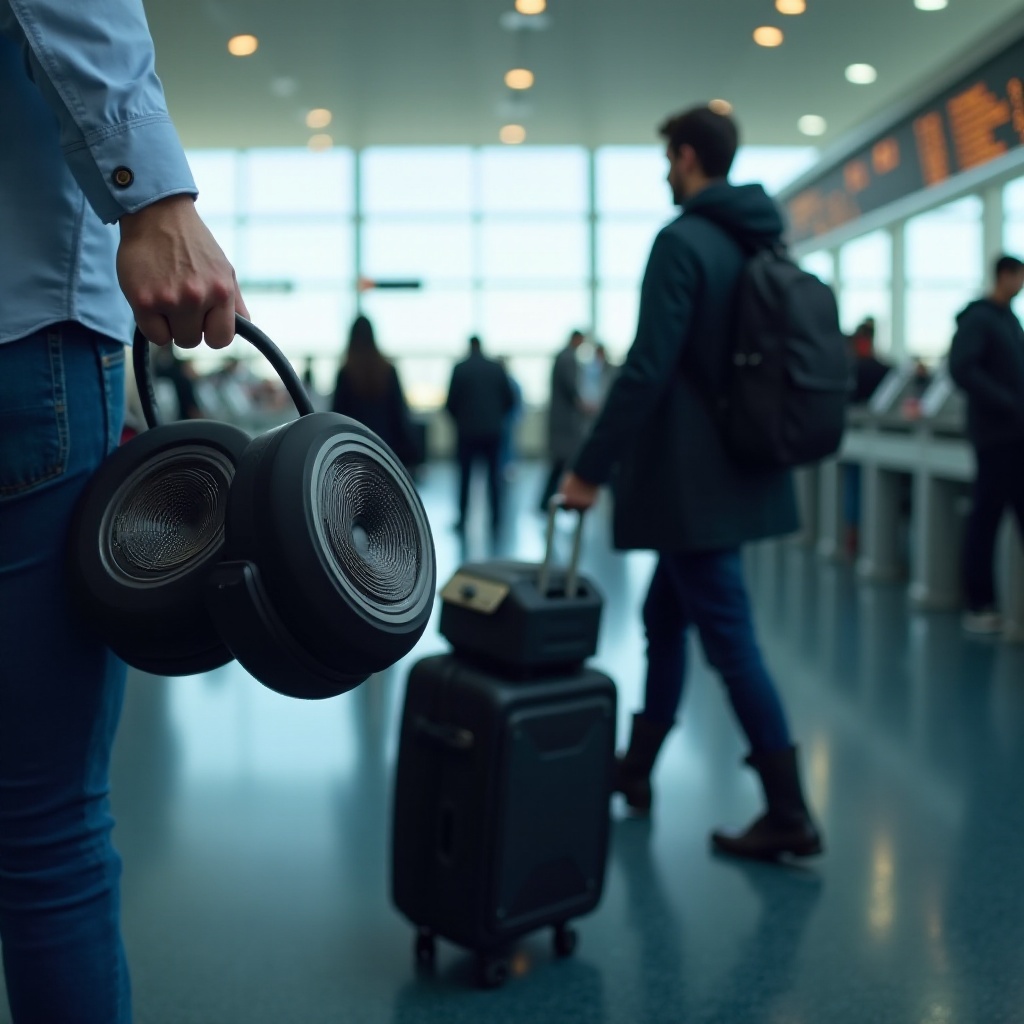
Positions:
(61, 407)
(705, 589)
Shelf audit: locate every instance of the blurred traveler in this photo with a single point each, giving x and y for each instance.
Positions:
(678, 492)
(368, 389)
(87, 144)
(597, 382)
(567, 415)
(480, 397)
(987, 360)
(309, 378)
(868, 373)
(168, 365)
(512, 420)
(868, 370)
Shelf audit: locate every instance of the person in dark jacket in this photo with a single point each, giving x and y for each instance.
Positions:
(368, 390)
(480, 398)
(868, 370)
(986, 360)
(678, 492)
(567, 415)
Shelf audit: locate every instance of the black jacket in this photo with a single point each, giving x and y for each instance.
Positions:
(987, 360)
(387, 414)
(479, 398)
(675, 486)
(868, 374)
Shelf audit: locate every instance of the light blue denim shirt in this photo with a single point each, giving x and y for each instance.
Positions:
(84, 138)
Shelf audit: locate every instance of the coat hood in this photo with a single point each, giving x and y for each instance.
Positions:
(746, 212)
(982, 306)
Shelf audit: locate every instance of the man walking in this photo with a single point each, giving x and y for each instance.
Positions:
(678, 492)
(479, 399)
(987, 360)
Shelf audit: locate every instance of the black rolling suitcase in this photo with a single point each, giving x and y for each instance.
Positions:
(501, 813)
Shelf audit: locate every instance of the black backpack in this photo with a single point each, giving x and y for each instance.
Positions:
(784, 402)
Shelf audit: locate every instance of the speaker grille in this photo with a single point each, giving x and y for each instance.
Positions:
(168, 516)
(370, 528)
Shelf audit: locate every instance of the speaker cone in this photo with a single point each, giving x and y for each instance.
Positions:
(369, 529)
(167, 516)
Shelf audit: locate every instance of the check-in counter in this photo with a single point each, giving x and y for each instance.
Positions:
(916, 471)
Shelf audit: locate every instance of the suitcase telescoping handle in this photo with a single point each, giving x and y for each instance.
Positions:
(572, 574)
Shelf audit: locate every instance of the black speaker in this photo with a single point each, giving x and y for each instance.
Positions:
(305, 552)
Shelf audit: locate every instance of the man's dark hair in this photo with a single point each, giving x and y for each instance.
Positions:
(714, 138)
(1008, 265)
(474, 344)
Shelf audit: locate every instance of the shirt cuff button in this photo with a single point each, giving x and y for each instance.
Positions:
(122, 177)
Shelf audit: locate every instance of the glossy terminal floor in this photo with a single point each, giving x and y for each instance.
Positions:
(255, 835)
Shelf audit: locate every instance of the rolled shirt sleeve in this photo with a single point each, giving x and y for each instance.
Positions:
(93, 62)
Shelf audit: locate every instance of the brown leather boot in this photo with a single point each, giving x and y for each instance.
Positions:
(632, 776)
(786, 827)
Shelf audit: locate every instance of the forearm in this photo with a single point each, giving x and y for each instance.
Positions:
(93, 62)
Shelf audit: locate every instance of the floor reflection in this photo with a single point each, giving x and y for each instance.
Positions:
(255, 829)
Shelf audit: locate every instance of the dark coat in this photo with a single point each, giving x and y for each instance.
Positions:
(868, 374)
(987, 360)
(387, 414)
(479, 398)
(566, 420)
(675, 486)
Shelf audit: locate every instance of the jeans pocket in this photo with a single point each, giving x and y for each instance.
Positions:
(112, 355)
(33, 413)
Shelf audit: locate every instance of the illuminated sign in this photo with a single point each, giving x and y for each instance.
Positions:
(979, 119)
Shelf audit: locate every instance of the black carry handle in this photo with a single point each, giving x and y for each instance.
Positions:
(571, 577)
(252, 334)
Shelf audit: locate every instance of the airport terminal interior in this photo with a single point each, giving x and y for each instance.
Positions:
(493, 168)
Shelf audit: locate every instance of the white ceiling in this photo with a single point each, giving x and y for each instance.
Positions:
(430, 71)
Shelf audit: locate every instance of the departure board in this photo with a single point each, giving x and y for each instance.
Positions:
(979, 119)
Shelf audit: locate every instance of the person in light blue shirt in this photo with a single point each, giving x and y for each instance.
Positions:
(97, 227)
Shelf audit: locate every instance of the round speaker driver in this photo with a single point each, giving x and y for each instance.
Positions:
(369, 528)
(167, 517)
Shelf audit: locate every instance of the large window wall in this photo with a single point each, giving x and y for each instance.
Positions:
(916, 275)
(944, 256)
(1013, 229)
(865, 285)
(519, 245)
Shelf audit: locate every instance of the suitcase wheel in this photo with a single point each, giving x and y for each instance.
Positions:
(425, 948)
(566, 939)
(491, 970)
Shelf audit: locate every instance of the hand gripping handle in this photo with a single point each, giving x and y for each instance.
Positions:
(244, 329)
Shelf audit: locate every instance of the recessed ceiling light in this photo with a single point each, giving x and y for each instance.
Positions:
(519, 78)
(243, 46)
(768, 35)
(319, 118)
(861, 74)
(791, 6)
(931, 5)
(319, 143)
(512, 134)
(531, 6)
(720, 106)
(812, 124)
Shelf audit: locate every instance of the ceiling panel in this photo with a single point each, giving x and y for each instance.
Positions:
(430, 71)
